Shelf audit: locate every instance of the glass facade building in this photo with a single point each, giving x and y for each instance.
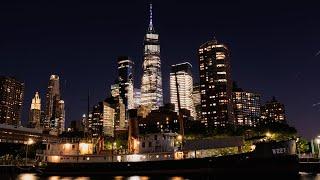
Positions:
(125, 79)
(55, 113)
(181, 75)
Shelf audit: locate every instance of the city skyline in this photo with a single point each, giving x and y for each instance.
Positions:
(267, 87)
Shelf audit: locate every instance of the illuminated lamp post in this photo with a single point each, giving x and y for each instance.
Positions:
(268, 135)
(113, 146)
(180, 138)
(318, 145)
(29, 142)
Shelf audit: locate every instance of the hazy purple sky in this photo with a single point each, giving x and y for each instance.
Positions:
(273, 44)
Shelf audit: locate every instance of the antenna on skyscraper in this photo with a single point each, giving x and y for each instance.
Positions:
(150, 18)
(150, 13)
(214, 38)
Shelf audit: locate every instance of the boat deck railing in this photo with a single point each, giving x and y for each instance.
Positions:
(75, 140)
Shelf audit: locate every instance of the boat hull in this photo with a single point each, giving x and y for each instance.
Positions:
(234, 164)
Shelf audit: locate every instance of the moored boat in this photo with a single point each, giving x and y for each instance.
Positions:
(267, 158)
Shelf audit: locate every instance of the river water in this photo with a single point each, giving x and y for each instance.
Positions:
(35, 177)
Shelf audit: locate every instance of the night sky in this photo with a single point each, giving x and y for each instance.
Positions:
(274, 47)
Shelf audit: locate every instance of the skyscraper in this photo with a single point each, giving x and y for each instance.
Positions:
(11, 99)
(55, 114)
(116, 101)
(182, 73)
(151, 82)
(107, 118)
(35, 112)
(60, 117)
(246, 107)
(126, 78)
(215, 84)
(120, 121)
(96, 126)
(52, 97)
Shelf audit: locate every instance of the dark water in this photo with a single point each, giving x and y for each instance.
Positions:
(35, 177)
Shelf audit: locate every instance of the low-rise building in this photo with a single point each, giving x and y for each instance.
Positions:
(157, 142)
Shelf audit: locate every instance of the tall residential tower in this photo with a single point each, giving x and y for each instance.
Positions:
(11, 99)
(215, 84)
(151, 83)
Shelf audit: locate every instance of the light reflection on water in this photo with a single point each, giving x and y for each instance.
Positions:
(35, 177)
(138, 178)
(118, 178)
(306, 176)
(303, 176)
(27, 177)
(176, 178)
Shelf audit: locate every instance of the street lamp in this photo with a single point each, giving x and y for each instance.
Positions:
(268, 134)
(29, 142)
(114, 144)
(318, 142)
(179, 139)
(298, 146)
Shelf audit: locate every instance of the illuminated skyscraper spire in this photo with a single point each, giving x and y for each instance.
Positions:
(151, 82)
(150, 29)
(35, 112)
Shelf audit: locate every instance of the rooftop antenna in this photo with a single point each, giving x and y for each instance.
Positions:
(150, 14)
(150, 18)
(214, 39)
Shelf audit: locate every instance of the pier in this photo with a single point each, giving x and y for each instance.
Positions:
(13, 169)
(309, 165)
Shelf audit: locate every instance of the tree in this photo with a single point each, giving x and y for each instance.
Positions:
(303, 146)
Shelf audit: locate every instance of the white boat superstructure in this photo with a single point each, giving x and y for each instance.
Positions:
(148, 148)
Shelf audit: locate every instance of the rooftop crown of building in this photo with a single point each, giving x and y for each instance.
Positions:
(54, 77)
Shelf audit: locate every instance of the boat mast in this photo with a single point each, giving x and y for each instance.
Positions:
(180, 118)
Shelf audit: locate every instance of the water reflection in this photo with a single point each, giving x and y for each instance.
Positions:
(138, 178)
(177, 178)
(307, 176)
(54, 178)
(82, 178)
(67, 178)
(118, 178)
(27, 177)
